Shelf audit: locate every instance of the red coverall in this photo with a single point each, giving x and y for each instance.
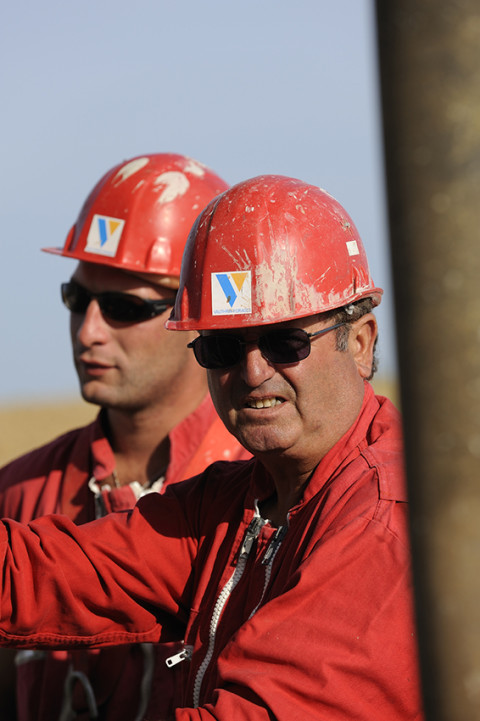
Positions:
(312, 621)
(54, 479)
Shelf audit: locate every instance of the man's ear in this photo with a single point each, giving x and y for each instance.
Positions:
(363, 333)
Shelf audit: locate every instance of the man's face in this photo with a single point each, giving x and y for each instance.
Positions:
(124, 365)
(307, 406)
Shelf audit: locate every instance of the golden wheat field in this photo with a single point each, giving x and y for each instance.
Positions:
(26, 426)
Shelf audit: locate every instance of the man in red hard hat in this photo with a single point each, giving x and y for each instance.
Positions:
(290, 571)
(157, 424)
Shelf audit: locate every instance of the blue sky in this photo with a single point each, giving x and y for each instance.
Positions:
(261, 86)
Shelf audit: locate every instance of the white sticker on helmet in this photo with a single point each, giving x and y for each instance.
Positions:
(172, 185)
(232, 292)
(195, 168)
(104, 235)
(129, 169)
(352, 247)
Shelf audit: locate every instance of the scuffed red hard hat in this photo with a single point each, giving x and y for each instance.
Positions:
(270, 249)
(139, 214)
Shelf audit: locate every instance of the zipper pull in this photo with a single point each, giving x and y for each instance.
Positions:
(274, 544)
(252, 532)
(184, 655)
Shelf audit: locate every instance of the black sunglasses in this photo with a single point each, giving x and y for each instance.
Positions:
(121, 307)
(285, 345)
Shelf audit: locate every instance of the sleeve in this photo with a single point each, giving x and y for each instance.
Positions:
(124, 578)
(334, 643)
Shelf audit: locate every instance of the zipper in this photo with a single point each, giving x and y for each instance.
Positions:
(184, 655)
(251, 534)
(267, 561)
(275, 543)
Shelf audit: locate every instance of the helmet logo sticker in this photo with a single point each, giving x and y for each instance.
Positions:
(352, 247)
(232, 292)
(104, 235)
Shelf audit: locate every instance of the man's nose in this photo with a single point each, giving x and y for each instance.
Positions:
(90, 327)
(255, 368)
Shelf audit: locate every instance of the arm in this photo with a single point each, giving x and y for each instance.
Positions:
(92, 584)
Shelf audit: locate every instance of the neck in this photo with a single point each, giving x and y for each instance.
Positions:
(140, 438)
(290, 480)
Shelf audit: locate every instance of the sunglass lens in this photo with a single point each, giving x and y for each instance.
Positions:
(122, 307)
(74, 297)
(288, 345)
(217, 351)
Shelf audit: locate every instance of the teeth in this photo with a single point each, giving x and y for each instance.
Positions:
(264, 403)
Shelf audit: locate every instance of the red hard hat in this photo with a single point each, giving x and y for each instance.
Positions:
(270, 249)
(139, 214)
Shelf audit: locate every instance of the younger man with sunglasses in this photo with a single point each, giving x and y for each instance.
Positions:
(291, 571)
(157, 424)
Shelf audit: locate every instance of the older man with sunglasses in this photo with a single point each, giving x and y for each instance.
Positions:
(291, 571)
(157, 423)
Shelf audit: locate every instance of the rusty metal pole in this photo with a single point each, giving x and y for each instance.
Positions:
(429, 57)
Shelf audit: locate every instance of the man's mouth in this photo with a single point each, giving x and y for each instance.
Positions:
(93, 366)
(263, 402)
(87, 360)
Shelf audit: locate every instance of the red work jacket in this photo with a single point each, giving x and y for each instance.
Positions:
(54, 479)
(312, 621)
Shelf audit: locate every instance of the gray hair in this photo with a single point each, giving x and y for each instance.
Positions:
(349, 314)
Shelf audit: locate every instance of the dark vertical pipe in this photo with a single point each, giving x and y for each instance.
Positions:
(429, 57)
